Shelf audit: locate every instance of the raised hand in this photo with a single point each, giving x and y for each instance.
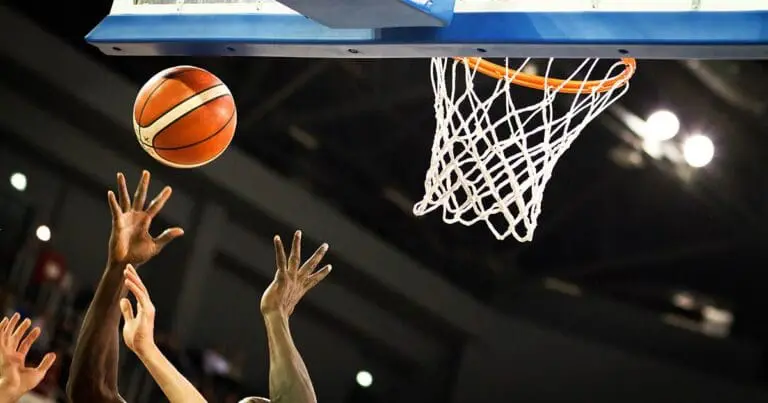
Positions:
(292, 279)
(139, 328)
(130, 241)
(16, 378)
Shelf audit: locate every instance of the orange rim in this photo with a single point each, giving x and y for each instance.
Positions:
(540, 83)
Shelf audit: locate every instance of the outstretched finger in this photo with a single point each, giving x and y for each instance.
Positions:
(158, 202)
(114, 207)
(46, 363)
(143, 303)
(133, 275)
(126, 309)
(122, 189)
(140, 197)
(317, 277)
(3, 325)
(20, 332)
(295, 257)
(28, 341)
(137, 293)
(280, 258)
(311, 264)
(167, 236)
(5, 337)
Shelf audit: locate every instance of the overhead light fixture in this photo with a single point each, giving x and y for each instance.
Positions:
(43, 233)
(661, 125)
(364, 379)
(698, 150)
(19, 181)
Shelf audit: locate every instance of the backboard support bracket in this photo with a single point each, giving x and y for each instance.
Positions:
(343, 14)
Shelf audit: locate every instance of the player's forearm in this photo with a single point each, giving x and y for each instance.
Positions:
(93, 373)
(175, 386)
(288, 377)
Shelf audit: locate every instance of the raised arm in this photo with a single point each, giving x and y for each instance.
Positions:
(289, 380)
(138, 333)
(93, 373)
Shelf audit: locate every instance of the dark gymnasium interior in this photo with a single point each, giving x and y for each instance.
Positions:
(643, 282)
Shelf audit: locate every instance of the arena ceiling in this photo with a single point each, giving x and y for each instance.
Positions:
(357, 133)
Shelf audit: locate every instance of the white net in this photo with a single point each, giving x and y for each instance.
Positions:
(492, 156)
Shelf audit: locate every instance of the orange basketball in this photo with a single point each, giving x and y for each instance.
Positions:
(184, 117)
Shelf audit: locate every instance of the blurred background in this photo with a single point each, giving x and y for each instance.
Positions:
(642, 282)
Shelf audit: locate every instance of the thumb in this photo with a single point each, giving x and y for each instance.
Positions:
(167, 236)
(46, 363)
(126, 309)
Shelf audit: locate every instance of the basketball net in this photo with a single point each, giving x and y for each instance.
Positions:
(492, 157)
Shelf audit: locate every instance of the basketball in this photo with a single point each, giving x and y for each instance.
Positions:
(184, 117)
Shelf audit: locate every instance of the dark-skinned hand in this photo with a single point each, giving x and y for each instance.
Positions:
(292, 279)
(130, 241)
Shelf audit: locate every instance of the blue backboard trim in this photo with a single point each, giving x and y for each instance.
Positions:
(733, 35)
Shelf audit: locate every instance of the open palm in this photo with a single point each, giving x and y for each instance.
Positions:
(130, 241)
(292, 279)
(16, 378)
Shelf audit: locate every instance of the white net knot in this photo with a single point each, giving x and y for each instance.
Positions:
(491, 159)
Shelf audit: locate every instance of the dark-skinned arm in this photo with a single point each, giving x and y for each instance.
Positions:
(93, 373)
(94, 369)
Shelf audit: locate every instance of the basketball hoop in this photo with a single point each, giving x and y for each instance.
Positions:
(491, 159)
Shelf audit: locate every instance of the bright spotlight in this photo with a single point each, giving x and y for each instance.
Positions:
(661, 126)
(698, 150)
(364, 379)
(43, 233)
(19, 181)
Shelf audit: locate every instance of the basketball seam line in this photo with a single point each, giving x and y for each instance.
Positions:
(149, 97)
(155, 137)
(162, 82)
(197, 142)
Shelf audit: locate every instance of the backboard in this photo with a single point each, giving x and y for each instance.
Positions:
(493, 151)
(681, 29)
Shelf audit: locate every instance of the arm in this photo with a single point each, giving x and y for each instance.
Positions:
(289, 380)
(138, 334)
(93, 372)
(94, 369)
(288, 376)
(173, 384)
